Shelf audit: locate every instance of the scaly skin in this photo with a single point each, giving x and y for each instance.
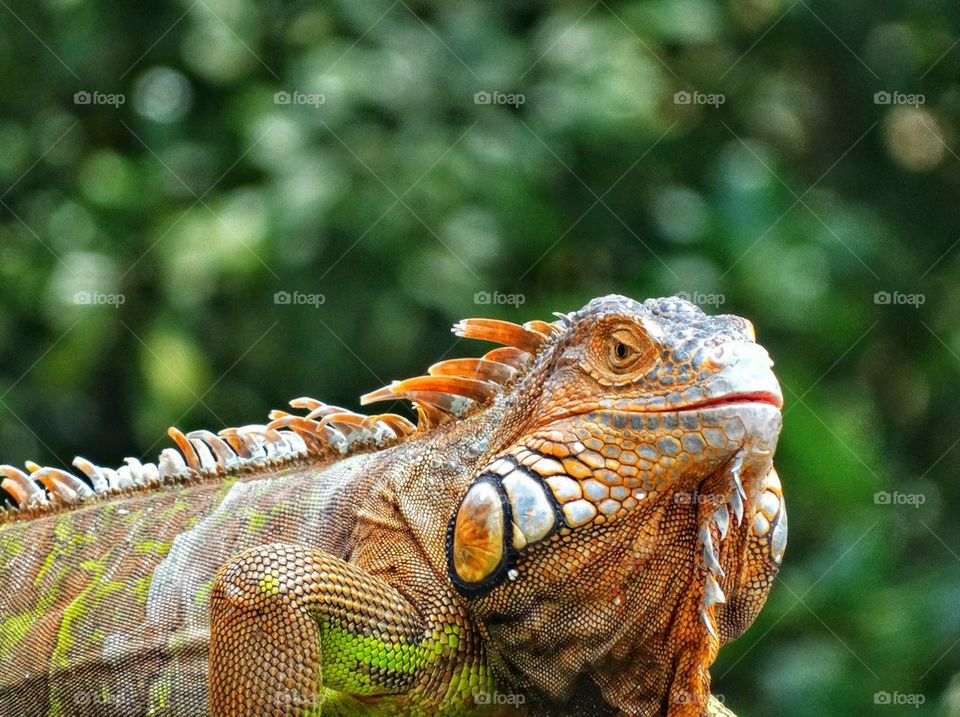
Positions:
(583, 542)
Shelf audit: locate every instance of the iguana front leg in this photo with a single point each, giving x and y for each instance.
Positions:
(288, 621)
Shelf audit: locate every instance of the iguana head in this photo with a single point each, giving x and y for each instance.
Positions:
(627, 518)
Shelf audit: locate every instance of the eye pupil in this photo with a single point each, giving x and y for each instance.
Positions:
(621, 351)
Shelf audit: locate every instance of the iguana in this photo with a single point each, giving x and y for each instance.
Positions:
(575, 524)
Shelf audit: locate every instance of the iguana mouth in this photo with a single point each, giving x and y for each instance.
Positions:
(767, 397)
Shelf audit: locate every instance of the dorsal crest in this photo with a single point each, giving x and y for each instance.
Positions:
(451, 390)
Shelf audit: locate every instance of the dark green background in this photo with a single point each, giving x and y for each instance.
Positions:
(399, 198)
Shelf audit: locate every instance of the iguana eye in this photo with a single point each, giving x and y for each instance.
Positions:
(628, 349)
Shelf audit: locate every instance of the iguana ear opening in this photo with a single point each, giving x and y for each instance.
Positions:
(477, 547)
(506, 510)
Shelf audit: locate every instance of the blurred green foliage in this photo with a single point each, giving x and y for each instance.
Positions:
(386, 187)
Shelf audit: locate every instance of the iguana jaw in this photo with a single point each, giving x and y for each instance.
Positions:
(708, 503)
(595, 469)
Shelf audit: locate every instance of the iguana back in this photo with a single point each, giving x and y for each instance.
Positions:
(107, 605)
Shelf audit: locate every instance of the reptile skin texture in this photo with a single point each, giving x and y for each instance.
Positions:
(575, 524)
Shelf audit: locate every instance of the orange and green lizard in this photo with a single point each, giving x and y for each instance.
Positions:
(575, 524)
